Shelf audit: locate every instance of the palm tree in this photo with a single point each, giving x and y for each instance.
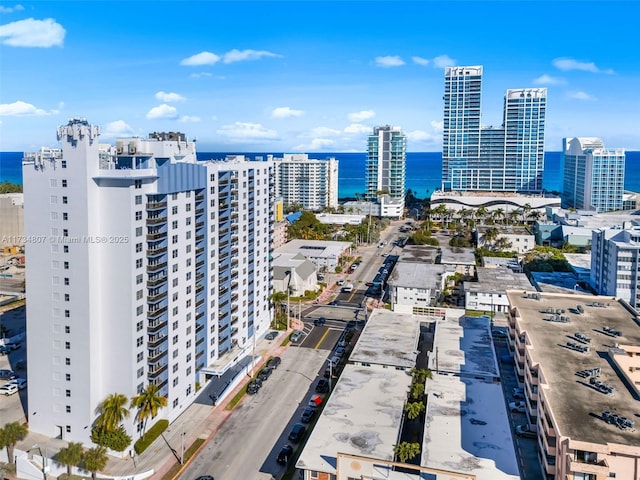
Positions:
(502, 244)
(514, 215)
(113, 410)
(406, 451)
(490, 235)
(417, 390)
(11, 434)
(440, 211)
(421, 375)
(94, 460)
(481, 212)
(498, 213)
(148, 403)
(277, 298)
(414, 409)
(71, 455)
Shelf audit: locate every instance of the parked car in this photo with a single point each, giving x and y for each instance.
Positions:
(284, 455)
(343, 343)
(21, 383)
(264, 374)
(8, 389)
(340, 351)
(322, 386)
(518, 406)
(7, 375)
(271, 335)
(297, 432)
(274, 362)
(253, 388)
(340, 282)
(308, 414)
(525, 431)
(498, 334)
(319, 321)
(518, 393)
(296, 336)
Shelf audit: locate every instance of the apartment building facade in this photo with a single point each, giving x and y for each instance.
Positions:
(385, 173)
(615, 263)
(593, 175)
(150, 268)
(580, 395)
(509, 158)
(309, 182)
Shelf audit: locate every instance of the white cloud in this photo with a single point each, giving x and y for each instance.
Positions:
(567, 64)
(246, 131)
(420, 61)
(23, 109)
(285, 112)
(443, 61)
(169, 97)
(33, 33)
(162, 111)
(419, 136)
(322, 132)
(117, 128)
(361, 115)
(548, 80)
(357, 128)
(580, 96)
(201, 74)
(389, 61)
(17, 8)
(202, 58)
(189, 119)
(437, 126)
(315, 145)
(242, 55)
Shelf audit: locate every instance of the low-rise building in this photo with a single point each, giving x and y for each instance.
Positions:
(578, 358)
(518, 239)
(294, 274)
(458, 259)
(11, 220)
(340, 218)
(414, 286)
(280, 234)
(489, 293)
(324, 254)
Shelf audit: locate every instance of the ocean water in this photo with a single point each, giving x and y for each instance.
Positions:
(423, 170)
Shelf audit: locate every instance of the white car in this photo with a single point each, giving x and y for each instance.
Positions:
(519, 407)
(9, 389)
(340, 283)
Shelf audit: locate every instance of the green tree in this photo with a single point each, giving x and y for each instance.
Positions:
(414, 409)
(8, 187)
(148, 403)
(277, 298)
(71, 456)
(406, 451)
(117, 440)
(113, 410)
(417, 390)
(490, 235)
(502, 244)
(11, 434)
(94, 460)
(421, 375)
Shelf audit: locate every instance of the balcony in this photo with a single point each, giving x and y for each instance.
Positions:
(154, 267)
(156, 220)
(156, 313)
(156, 297)
(155, 280)
(154, 252)
(156, 370)
(156, 205)
(155, 325)
(599, 467)
(156, 354)
(155, 236)
(156, 340)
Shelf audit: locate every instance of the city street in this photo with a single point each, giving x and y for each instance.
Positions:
(252, 437)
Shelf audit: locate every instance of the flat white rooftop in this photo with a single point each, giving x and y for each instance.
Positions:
(315, 248)
(388, 338)
(467, 429)
(362, 417)
(416, 275)
(464, 347)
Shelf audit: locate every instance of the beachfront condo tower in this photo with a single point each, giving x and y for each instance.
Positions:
(150, 268)
(476, 158)
(386, 169)
(593, 175)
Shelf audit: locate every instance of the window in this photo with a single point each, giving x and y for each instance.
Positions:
(139, 295)
(139, 341)
(174, 253)
(175, 368)
(67, 313)
(174, 282)
(174, 210)
(139, 310)
(188, 235)
(65, 248)
(68, 428)
(65, 232)
(66, 297)
(65, 216)
(65, 200)
(67, 345)
(66, 265)
(139, 326)
(138, 231)
(138, 247)
(67, 377)
(138, 215)
(140, 357)
(175, 339)
(175, 381)
(174, 239)
(67, 329)
(138, 184)
(188, 220)
(174, 224)
(140, 372)
(64, 183)
(138, 263)
(188, 207)
(138, 199)
(68, 408)
(67, 361)
(139, 279)
(67, 393)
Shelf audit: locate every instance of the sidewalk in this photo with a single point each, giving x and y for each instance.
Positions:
(199, 420)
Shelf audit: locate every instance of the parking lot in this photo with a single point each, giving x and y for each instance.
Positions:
(12, 407)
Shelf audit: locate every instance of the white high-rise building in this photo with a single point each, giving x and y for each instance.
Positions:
(147, 267)
(311, 183)
(385, 173)
(593, 175)
(615, 263)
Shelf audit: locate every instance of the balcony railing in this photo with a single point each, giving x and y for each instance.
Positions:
(154, 371)
(155, 325)
(156, 220)
(156, 297)
(154, 267)
(156, 313)
(155, 280)
(156, 205)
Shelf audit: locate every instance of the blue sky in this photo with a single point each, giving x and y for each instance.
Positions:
(309, 76)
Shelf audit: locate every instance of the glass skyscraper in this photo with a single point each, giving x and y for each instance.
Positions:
(510, 158)
(386, 163)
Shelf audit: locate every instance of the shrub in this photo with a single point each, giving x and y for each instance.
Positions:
(151, 434)
(116, 440)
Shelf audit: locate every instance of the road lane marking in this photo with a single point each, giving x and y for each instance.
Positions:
(321, 340)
